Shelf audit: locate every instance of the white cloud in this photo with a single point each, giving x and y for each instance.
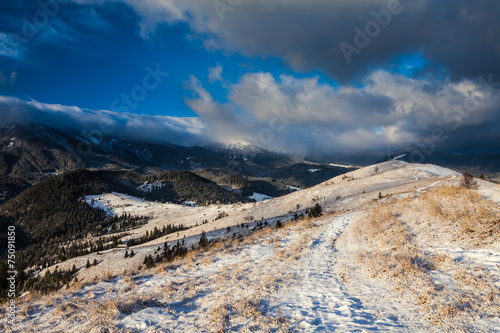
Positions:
(215, 74)
(307, 34)
(178, 130)
(301, 114)
(10, 48)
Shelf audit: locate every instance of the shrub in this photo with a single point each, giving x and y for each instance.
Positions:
(468, 181)
(315, 211)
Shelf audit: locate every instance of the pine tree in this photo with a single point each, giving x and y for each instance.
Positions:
(88, 264)
(126, 253)
(203, 240)
(316, 211)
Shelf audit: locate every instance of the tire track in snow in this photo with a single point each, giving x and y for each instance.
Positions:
(320, 301)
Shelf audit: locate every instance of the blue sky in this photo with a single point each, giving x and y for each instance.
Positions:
(96, 65)
(99, 64)
(232, 67)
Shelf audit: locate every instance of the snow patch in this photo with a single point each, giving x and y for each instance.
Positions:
(313, 170)
(347, 166)
(148, 187)
(436, 170)
(294, 188)
(398, 157)
(259, 197)
(95, 201)
(11, 143)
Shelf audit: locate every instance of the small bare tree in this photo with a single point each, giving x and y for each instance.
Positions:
(468, 181)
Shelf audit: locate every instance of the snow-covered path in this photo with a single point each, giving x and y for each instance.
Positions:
(321, 302)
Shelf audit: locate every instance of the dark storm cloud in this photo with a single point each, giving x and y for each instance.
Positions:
(303, 115)
(357, 43)
(460, 35)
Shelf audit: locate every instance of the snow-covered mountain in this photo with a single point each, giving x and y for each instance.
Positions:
(399, 247)
(246, 151)
(32, 153)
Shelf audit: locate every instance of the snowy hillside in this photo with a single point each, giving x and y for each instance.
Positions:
(399, 247)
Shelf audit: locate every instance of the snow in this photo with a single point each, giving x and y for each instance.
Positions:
(313, 170)
(259, 197)
(322, 290)
(347, 166)
(236, 144)
(436, 170)
(11, 143)
(399, 156)
(96, 201)
(489, 191)
(146, 318)
(488, 258)
(148, 187)
(294, 188)
(190, 203)
(321, 302)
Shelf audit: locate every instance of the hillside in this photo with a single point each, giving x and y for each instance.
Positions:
(399, 247)
(487, 164)
(32, 153)
(52, 212)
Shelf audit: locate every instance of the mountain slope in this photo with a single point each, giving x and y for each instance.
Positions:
(476, 163)
(29, 154)
(400, 248)
(52, 212)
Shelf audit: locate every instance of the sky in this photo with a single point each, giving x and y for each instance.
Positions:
(293, 76)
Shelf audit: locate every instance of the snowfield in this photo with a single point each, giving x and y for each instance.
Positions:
(399, 248)
(259, 197)
(321, 301)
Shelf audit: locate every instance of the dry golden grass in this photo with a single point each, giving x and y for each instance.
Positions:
(465, 209)
(389, 246)
(236, 295)
(392, 245)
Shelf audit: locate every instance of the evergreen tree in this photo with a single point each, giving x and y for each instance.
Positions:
(203, 240)
(315, 211)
